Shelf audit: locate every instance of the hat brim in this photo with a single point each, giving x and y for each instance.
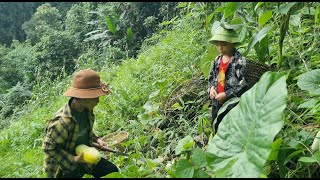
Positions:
(84, 93)
(224, 38)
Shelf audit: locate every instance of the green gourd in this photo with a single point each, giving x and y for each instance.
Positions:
(90, 154)
(316, 143)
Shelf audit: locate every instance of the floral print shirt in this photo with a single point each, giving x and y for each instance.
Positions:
(235, 76)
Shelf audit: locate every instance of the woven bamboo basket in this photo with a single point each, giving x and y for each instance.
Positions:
(255, 69)
(115, 139)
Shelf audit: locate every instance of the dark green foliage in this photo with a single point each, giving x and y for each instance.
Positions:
(16, 77)
(3, 82)
(56, 54)
(22, 56)
(63, 7)
(77, 18)
(13, 100)
(43, 22)
(115, 20)
(12, 16)
(17, 65)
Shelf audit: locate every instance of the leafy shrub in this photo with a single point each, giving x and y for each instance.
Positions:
(13, 101)
(55, 52)
(45, 20)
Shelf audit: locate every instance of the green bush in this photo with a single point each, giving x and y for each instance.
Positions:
(56, 54)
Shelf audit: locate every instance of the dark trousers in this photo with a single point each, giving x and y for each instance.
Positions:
(214, 113)
(103, 168)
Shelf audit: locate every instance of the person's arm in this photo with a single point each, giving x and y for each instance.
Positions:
(234, 91)
(98, 140)
(56, 137)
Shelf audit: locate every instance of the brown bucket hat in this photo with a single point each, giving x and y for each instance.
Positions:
(86, 84)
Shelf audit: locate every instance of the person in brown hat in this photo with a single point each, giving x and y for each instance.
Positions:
(71, 126)
(227, 75)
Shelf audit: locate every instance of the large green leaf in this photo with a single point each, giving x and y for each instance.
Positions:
(265, 17)
(208, 20)
(226, 104)
(262, 49)
(310, 103)
(114, 175)
(258, 5)
(284, 8)
(129, 34)
(199, 157)
(214, 27)
(295, 20)
(310, 81)
(198, 173)
(307, 159)
(184, 144)
(246, 133)
(207, 60)
(243, 32)
(275, 149)
(230, 8)
(184, 169)
(256, 38)
(111, 24)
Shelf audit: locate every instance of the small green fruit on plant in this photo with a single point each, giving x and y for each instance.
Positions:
(316, 143)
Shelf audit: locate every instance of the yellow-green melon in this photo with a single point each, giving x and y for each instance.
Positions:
(90, 154)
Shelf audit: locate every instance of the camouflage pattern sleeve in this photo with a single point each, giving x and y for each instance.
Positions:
(238, 81)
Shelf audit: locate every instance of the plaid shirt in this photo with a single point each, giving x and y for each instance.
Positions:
(235, 76)
(59, 143)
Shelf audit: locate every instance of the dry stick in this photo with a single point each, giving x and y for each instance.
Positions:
(105, 148)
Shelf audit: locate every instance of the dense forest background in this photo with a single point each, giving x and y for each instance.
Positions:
(156, 58)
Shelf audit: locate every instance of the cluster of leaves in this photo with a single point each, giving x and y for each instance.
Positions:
(12, 16)
(16, 86)
(295, 158)
(163, 144)
(123, 26)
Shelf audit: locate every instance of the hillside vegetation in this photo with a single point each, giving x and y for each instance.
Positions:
(158, 76)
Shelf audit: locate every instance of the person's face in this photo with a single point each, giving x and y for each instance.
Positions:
(90, 103)
(224, 48)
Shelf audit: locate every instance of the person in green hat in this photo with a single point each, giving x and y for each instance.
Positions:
(227, 75)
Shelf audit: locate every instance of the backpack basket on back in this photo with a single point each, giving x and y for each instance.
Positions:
(255, 69)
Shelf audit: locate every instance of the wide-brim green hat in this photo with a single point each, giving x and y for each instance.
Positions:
(226, 35)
